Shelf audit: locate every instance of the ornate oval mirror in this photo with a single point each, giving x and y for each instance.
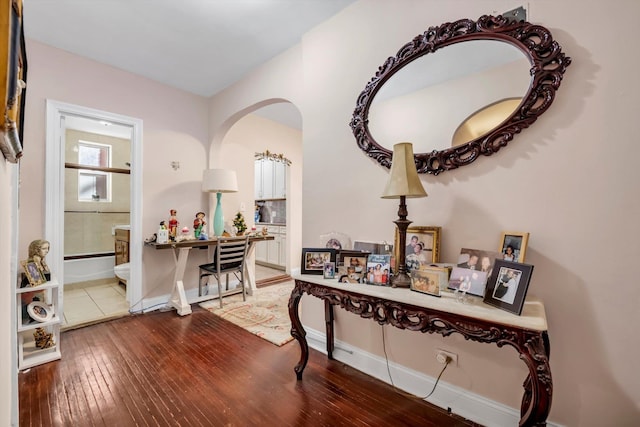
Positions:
(457, 103)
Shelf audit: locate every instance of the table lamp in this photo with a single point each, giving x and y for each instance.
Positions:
(219, 181)
(403, 182)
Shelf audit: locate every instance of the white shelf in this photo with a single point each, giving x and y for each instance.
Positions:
(28, 354)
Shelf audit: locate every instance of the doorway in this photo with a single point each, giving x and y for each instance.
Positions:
(86, 203)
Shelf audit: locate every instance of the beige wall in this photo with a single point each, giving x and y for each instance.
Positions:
(557, 181)
(174, 129)
(570, 180)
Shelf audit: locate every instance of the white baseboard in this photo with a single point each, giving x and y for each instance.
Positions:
(461, 402)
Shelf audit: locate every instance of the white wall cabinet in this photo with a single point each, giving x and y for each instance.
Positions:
(270, 179)
(272, 253)
(50, 320)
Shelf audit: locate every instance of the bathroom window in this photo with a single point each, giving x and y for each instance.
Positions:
(94, 185)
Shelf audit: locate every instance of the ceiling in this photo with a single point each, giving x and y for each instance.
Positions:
(200, 46)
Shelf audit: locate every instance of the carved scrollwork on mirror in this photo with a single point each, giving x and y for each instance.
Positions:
(546, 66)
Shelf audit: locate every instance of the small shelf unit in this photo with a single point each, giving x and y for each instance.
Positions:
(28, 354)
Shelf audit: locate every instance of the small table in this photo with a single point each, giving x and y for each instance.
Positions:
(181, 252)
(414, 311)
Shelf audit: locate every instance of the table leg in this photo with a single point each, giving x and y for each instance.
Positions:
(538, 387)
(328, 320)
(297, 331)
(178, 297)
(250, 269)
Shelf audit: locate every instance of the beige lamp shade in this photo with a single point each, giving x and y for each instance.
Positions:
(403, 179)
(219, 181)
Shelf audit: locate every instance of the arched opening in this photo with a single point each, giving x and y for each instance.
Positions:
(273, 126)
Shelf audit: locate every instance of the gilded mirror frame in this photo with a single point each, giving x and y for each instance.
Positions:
(548, 64)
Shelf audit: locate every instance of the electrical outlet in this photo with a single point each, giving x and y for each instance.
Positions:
(442, 355)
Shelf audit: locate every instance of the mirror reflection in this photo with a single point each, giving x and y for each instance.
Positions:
(450, 97)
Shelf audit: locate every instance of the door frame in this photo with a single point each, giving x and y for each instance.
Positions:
(54, 191)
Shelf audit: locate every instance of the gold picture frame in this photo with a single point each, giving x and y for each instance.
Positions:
(428, 237)
(35, 276)
(513, 246)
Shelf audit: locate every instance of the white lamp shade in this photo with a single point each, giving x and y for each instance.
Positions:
(219, 181)
(403, 179)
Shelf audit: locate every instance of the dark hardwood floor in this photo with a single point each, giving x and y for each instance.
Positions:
(160, 369)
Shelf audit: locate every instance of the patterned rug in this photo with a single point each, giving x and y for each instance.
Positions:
(265, 313)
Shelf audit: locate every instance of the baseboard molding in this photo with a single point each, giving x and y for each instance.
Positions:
(462, 402)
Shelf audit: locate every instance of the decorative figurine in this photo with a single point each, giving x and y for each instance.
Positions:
(239, 224)
(38, 250)
(198, 224)
(173, 225)
(162, 236)
(43, 339)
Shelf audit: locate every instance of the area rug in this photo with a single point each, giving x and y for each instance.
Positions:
(265, 313)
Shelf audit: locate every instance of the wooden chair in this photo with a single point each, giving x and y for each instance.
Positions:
(229, 258)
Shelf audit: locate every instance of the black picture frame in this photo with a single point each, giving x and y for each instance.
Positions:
(313, 259)
(499, 291)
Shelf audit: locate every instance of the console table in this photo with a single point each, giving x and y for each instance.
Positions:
(181, 254)
(406, 309)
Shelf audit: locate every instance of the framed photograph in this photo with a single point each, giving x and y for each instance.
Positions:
(329, 271)
(313, 259)
(513, 245)
(40, 311)
(441, 273)
(473, 269)
(508, 285)
(33, 273)
(356, 259)
(378, 270)
(423, 246)
(348, 274)
(381, 248)
(426, 281)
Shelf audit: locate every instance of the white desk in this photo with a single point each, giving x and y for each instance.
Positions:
(181, 252)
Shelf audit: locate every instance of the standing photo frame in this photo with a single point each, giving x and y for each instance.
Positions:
(40, 311)
(423, 246)
(313, 259)
(329, 271)
(513, 245)
(508, 285)
(426, 281)
(34, 275)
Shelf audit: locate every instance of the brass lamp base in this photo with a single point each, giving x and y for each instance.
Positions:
(400, 280)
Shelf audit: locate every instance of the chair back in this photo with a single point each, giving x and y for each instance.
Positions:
(231, 254)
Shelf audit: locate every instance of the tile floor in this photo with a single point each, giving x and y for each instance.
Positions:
(99, 300)
(94, 301)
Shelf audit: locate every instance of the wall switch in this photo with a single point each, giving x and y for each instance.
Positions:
(243, 207)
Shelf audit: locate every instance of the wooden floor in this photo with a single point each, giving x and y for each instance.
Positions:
(160, 369)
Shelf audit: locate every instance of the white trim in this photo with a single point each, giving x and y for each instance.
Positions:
(462, 402)
(54, 188)
(15, 219)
